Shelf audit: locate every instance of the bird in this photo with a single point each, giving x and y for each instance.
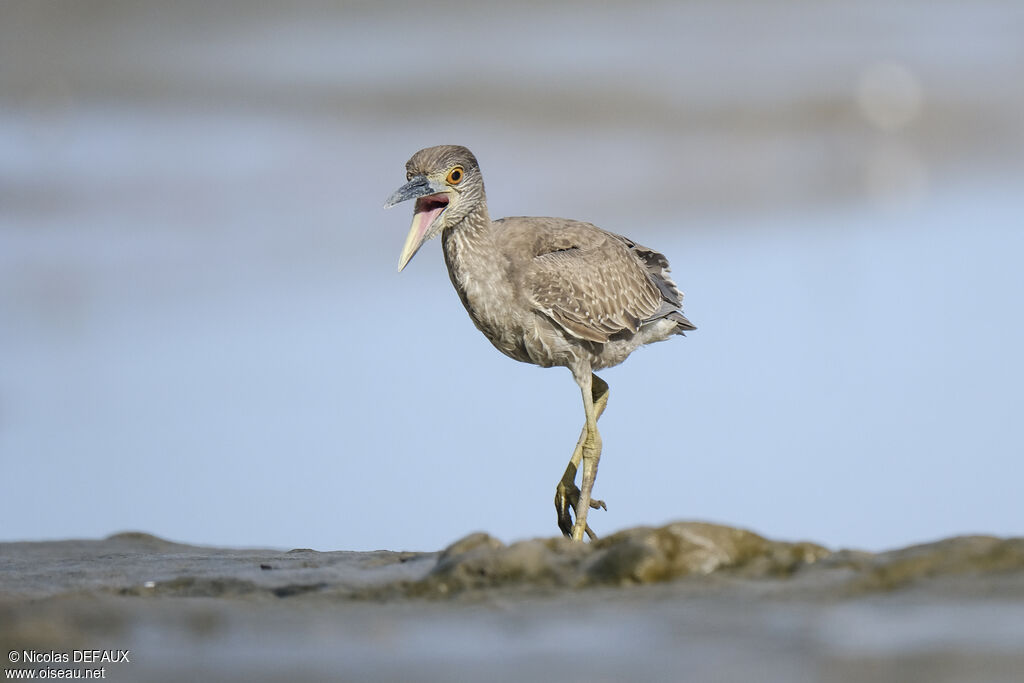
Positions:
(553, 292)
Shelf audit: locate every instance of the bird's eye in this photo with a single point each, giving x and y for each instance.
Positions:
(455, 175)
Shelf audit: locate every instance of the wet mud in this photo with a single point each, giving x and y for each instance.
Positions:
(647, 603)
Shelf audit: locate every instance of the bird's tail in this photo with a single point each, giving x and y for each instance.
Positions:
(682, 324)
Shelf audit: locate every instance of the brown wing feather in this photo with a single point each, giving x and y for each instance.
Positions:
(590, 283)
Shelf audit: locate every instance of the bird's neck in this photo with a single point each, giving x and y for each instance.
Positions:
(467, 240)
(473, 262)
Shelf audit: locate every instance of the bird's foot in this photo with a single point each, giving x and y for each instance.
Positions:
(567, 497)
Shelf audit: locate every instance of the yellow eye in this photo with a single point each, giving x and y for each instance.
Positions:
(455, 175)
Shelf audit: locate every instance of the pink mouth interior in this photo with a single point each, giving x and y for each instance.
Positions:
(427, 210)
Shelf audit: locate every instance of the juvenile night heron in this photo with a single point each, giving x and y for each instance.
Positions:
(547, 291)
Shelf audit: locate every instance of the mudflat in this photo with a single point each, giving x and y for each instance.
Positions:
(686, 601)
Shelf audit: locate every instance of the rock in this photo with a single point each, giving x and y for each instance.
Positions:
(635, 556)
(649, 555)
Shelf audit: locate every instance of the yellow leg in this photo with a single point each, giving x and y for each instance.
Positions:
(588, 451)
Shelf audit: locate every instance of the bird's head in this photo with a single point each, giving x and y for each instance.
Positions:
(446, 183)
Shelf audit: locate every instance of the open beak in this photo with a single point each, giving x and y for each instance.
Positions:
(431, 201)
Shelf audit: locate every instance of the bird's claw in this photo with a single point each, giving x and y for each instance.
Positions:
(567, 496)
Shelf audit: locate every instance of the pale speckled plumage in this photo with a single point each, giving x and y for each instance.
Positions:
(552, 291)
(549, 291)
